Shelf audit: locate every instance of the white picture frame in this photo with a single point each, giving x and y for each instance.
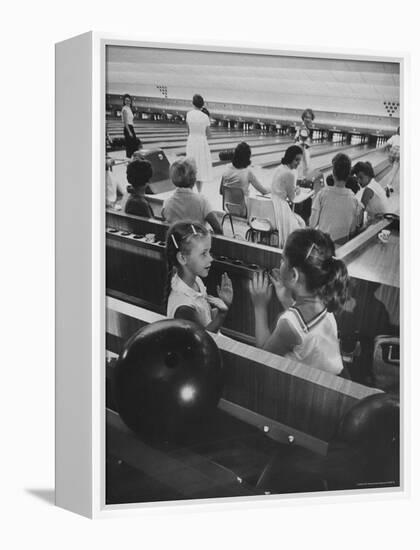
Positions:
(80, 272)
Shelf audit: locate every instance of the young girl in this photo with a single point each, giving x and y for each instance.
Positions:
(188, 260)
(310, 284)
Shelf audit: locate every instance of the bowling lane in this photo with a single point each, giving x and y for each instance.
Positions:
(225, 141)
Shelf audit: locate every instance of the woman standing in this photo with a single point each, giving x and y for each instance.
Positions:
(393, 147)
(303, 140)
(131, 141)
(283, 189)
(197, 145)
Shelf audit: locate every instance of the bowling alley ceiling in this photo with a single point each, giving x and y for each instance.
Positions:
(336, 85)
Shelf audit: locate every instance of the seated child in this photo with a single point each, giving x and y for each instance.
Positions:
(139, 155)
(184, 203)
(336, 210)
(139, 173)
(310, 284)
(373, 197)
(188, 261)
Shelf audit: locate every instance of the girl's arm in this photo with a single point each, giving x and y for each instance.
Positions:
(282, 340)
(260, 290)
(190, 314)
(367, 195)
(225, 293)
(290, 187)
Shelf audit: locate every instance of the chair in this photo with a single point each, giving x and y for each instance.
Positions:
(386, 363)
(261, 220)
(234, 204)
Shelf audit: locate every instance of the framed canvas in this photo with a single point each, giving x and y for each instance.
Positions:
(275, 380)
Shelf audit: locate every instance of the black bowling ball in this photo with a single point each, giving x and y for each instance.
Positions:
(373, 423)
(168, 379)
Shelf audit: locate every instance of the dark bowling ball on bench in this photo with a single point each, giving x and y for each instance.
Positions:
(168, 379)
(373, 423)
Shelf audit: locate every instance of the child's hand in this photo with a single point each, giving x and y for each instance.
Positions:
(217, 303)
(225, 290)
(260, 289)
(283, 294)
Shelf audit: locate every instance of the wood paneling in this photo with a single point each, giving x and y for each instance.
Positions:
(307, 401)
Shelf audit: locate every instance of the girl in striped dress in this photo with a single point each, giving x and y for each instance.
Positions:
(310, 284)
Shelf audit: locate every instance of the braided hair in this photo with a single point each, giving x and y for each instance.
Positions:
(312, 252)
(179, 238)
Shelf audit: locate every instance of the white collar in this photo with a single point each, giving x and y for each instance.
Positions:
(178, 285)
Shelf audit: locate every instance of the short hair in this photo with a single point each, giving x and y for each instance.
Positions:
(364, 167)
(291, 153)
(308, 112)
(125, 97)
(183, 172)
(139, 172)
(198, 101)
(242, 155)
(341, 164)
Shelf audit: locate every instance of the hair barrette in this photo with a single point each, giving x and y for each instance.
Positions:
(193, 229)
(175, 243)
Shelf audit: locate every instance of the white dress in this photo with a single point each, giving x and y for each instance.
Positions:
(304, 141)
(318, 347)
(197, 145)
(378, 204)
(283, 188)
(392, 179)
(183, 295)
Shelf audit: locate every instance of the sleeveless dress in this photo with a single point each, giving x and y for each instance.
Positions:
(197, 145)
(392, 179)
(283, 188)
(319, 347)
(378, 203)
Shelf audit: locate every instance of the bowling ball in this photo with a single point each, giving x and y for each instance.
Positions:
(303, 133)
(168, 379)
(373, 423)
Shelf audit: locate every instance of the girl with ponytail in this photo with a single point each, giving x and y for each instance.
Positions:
(189, 260)
(311, 284)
